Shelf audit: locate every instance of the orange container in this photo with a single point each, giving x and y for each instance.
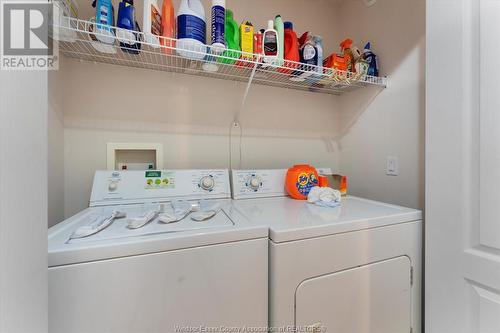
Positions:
(335, 61)
(168, 23)
(323, 181)
(299, 181)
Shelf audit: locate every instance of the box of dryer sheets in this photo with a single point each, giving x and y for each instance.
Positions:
(335, 181)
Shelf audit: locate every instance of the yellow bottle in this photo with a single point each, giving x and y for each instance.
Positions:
(246, 40)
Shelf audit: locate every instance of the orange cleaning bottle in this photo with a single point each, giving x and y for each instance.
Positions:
(292, 55)
(168, 23)
(299, 181)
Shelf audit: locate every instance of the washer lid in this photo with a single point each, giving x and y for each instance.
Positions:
(290, 219)
(119, 241)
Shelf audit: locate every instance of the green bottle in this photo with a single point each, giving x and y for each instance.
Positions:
(232, 40)
(279, 27)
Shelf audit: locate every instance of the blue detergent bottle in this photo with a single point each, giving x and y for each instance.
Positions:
(104, 20)
(128, 35)
(371, 59)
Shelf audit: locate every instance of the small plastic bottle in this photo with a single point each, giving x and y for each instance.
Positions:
(271, 43)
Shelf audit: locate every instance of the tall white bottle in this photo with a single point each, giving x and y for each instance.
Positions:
(191, 30)
(270, 41)
(218, 26)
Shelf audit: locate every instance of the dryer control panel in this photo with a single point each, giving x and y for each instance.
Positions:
(127, 187)
(258, 183)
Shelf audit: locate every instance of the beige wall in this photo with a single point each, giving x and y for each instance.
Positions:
(55, 188)
(182, 113)
(191, 116)
(376, 124)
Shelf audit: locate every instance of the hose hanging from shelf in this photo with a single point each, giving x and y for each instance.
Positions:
(236, 122)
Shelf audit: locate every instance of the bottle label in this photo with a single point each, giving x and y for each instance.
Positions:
(218, 25)
(305, 182)
(155, 21)
(309, 52)
(191, 27)
(271, 44)
(104, 15)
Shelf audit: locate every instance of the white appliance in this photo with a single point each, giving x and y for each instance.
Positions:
(355, 268)
(162, 277)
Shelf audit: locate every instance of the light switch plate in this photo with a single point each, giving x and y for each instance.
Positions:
(392, 168)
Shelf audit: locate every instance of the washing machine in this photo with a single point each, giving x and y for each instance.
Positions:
(355, 268)
(185, 276)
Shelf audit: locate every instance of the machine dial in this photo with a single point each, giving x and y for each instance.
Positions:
(254, 183)
(207, 183)
(112, 186)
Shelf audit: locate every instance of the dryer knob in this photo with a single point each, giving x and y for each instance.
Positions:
(254, 183)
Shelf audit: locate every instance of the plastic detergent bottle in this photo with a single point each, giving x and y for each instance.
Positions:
(291, 43)
(127, 35)
(168, 23)
(290, 48)
(232, 40)
(280, 29)
(348, 55)
(191, 30)
(308, 57)
(371, 59)
(218, 26)
(151, 22)
(104, 19)
(126, 21)
(308, 50)
(271, 43)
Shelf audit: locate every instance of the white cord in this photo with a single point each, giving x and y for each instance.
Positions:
(236, 122)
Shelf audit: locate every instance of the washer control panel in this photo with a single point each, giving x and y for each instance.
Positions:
(125, 187)
(258, 183)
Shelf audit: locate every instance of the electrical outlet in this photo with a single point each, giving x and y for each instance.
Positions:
(392, 168)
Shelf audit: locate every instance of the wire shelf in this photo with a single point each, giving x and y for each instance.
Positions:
(83, 40)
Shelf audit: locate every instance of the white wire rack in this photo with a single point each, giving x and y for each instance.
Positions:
(80, 39)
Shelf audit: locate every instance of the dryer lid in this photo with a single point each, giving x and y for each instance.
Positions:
(290, 219)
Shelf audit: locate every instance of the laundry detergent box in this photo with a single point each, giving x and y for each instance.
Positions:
(335, 181)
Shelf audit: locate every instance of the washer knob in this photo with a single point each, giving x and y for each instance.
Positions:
(112, 186)
(254, 183)
(207, 183)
